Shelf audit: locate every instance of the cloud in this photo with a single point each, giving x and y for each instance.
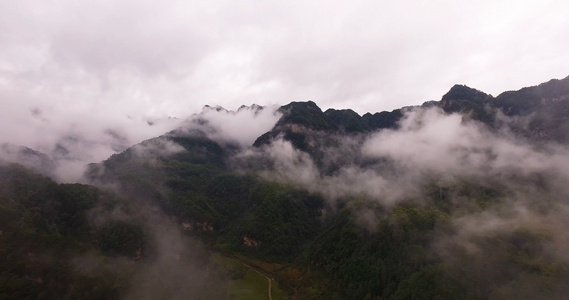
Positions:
(34, 160)
(156, 148)
(243, 126)
(169, 265)
(84, 69)
(278, 161)
(393, 165)
(504, 199)
(429, 141)
(178, 269)
(176, 56)
(72, 138)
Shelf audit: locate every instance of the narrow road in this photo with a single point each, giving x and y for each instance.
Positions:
(268, 278)
(237, 259)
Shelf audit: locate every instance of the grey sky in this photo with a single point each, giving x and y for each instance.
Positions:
(95, 65)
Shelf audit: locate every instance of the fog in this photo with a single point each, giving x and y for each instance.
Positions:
(243, 126)
(81, 81)
(170, 264)
(62, 148)
(433, 156)
(393, 164)
(429, 150)
(73, 142)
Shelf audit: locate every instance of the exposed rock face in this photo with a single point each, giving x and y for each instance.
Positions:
(187, 226)
(206, 226)
(250, 242)
(201, 226)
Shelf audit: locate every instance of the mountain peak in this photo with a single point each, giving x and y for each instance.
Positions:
(216, 108)
(306, 114)
(463, 92)
(300, 105)
(253, 107)
(468, 101)
(346, 119)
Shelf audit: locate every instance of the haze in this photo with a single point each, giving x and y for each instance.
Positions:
(111, 73)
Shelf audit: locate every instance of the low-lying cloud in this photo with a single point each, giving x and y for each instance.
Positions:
(503, 197)
(393, 164)
(71, 144)
(243, 126)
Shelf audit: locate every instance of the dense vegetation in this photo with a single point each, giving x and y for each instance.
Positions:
(224, 208)
(458, 235)
(43, 225)
(72, 241)
(400, 255)
(365, 249)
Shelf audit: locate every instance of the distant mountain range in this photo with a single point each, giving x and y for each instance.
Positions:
(546, 107)
(462, 198)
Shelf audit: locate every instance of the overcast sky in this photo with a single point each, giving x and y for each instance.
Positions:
(67, 63)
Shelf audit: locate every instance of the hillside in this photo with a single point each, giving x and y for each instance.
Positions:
(462, 198)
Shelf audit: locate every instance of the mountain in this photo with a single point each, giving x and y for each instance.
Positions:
(307, 116)
(28, 157)
(462, 198)
(543, 107)
(43, 224)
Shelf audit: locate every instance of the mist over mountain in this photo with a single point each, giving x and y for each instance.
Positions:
(462, 198)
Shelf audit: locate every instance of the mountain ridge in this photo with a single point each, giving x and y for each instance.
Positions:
(549, 99)
(461, 198)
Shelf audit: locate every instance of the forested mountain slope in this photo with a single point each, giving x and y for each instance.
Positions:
(462, 198)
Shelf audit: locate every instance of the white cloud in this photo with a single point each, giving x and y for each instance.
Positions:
(395, 164)
(243, 126)
(91, 66)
